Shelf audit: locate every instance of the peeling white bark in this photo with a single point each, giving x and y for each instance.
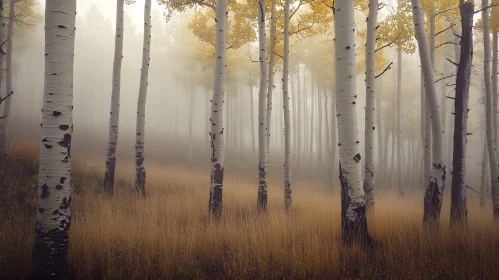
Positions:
(263, 122)
(114, 115)
(435, 185)
(53, 207)
(270, 88)
(287, 120)
(369, 179)
(140, 179)
(353, 216)
(217, 111)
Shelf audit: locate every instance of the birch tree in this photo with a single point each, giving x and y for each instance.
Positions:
(216, 119)
(369, 179)
(490, 111)
(4, 118)
(459, 212)
(287, 120)
(49, 260)
(115, 101)
(353, 207)
(262, 126)
(435, 184)
(273, 22)
(140, 178)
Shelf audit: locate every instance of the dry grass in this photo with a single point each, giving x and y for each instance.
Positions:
(168, 235)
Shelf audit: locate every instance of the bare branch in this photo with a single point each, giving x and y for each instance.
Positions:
(447, 43)
(388, 44)
(452, 62)
(442, 31)
(450, 76)
(384, 71)
(485, 8)
(7, 96)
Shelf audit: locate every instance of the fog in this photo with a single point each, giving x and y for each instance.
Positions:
(178, 73)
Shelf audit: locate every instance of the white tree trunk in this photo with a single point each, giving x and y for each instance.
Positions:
(115, 102)
(3, 128)
(399, 125)
(353, 214)
(53, 207)
(140, 179)
(369, 179)
(270, 89)
(217, 106)
(252, 115)
(334, 137)
(495, 93)
(9, 91)
(380, 144)
(434, 191)
(490, 112)
(262, 127)
(287, 120)
(191, 118)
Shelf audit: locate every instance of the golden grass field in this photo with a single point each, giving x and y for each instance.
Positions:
(168, 235)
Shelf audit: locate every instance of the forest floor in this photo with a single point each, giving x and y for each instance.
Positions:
(168, 234)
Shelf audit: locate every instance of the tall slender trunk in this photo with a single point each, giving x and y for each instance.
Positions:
(495, 93)
(140, 179)
(490, 112)
(353, 207)
(252, 115)
(207, 102)
(49, 259)
(285, 100)
(8, 75)
(399, 125)
(270, 89)
(393, 129)
(459, 212)
(241, 123)
(217, 111)
(334, 137)
(369, 179)
(3, 128)
(114, 115)
(380, 144)
(299, 117)
(191, 118)
(263, 123)
(312, 116)
(485, 170)
(434, 191)
(320, 161)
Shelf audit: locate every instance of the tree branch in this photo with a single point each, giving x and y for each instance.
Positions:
(452, 62)
(384, 71)
(485, 8)
(7, 96)
(446, 43)
(450, 76)
(440, 32)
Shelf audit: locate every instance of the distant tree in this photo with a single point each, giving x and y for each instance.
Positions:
(49, 259)
(140, 179)
(115, 101)
(490, 112)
